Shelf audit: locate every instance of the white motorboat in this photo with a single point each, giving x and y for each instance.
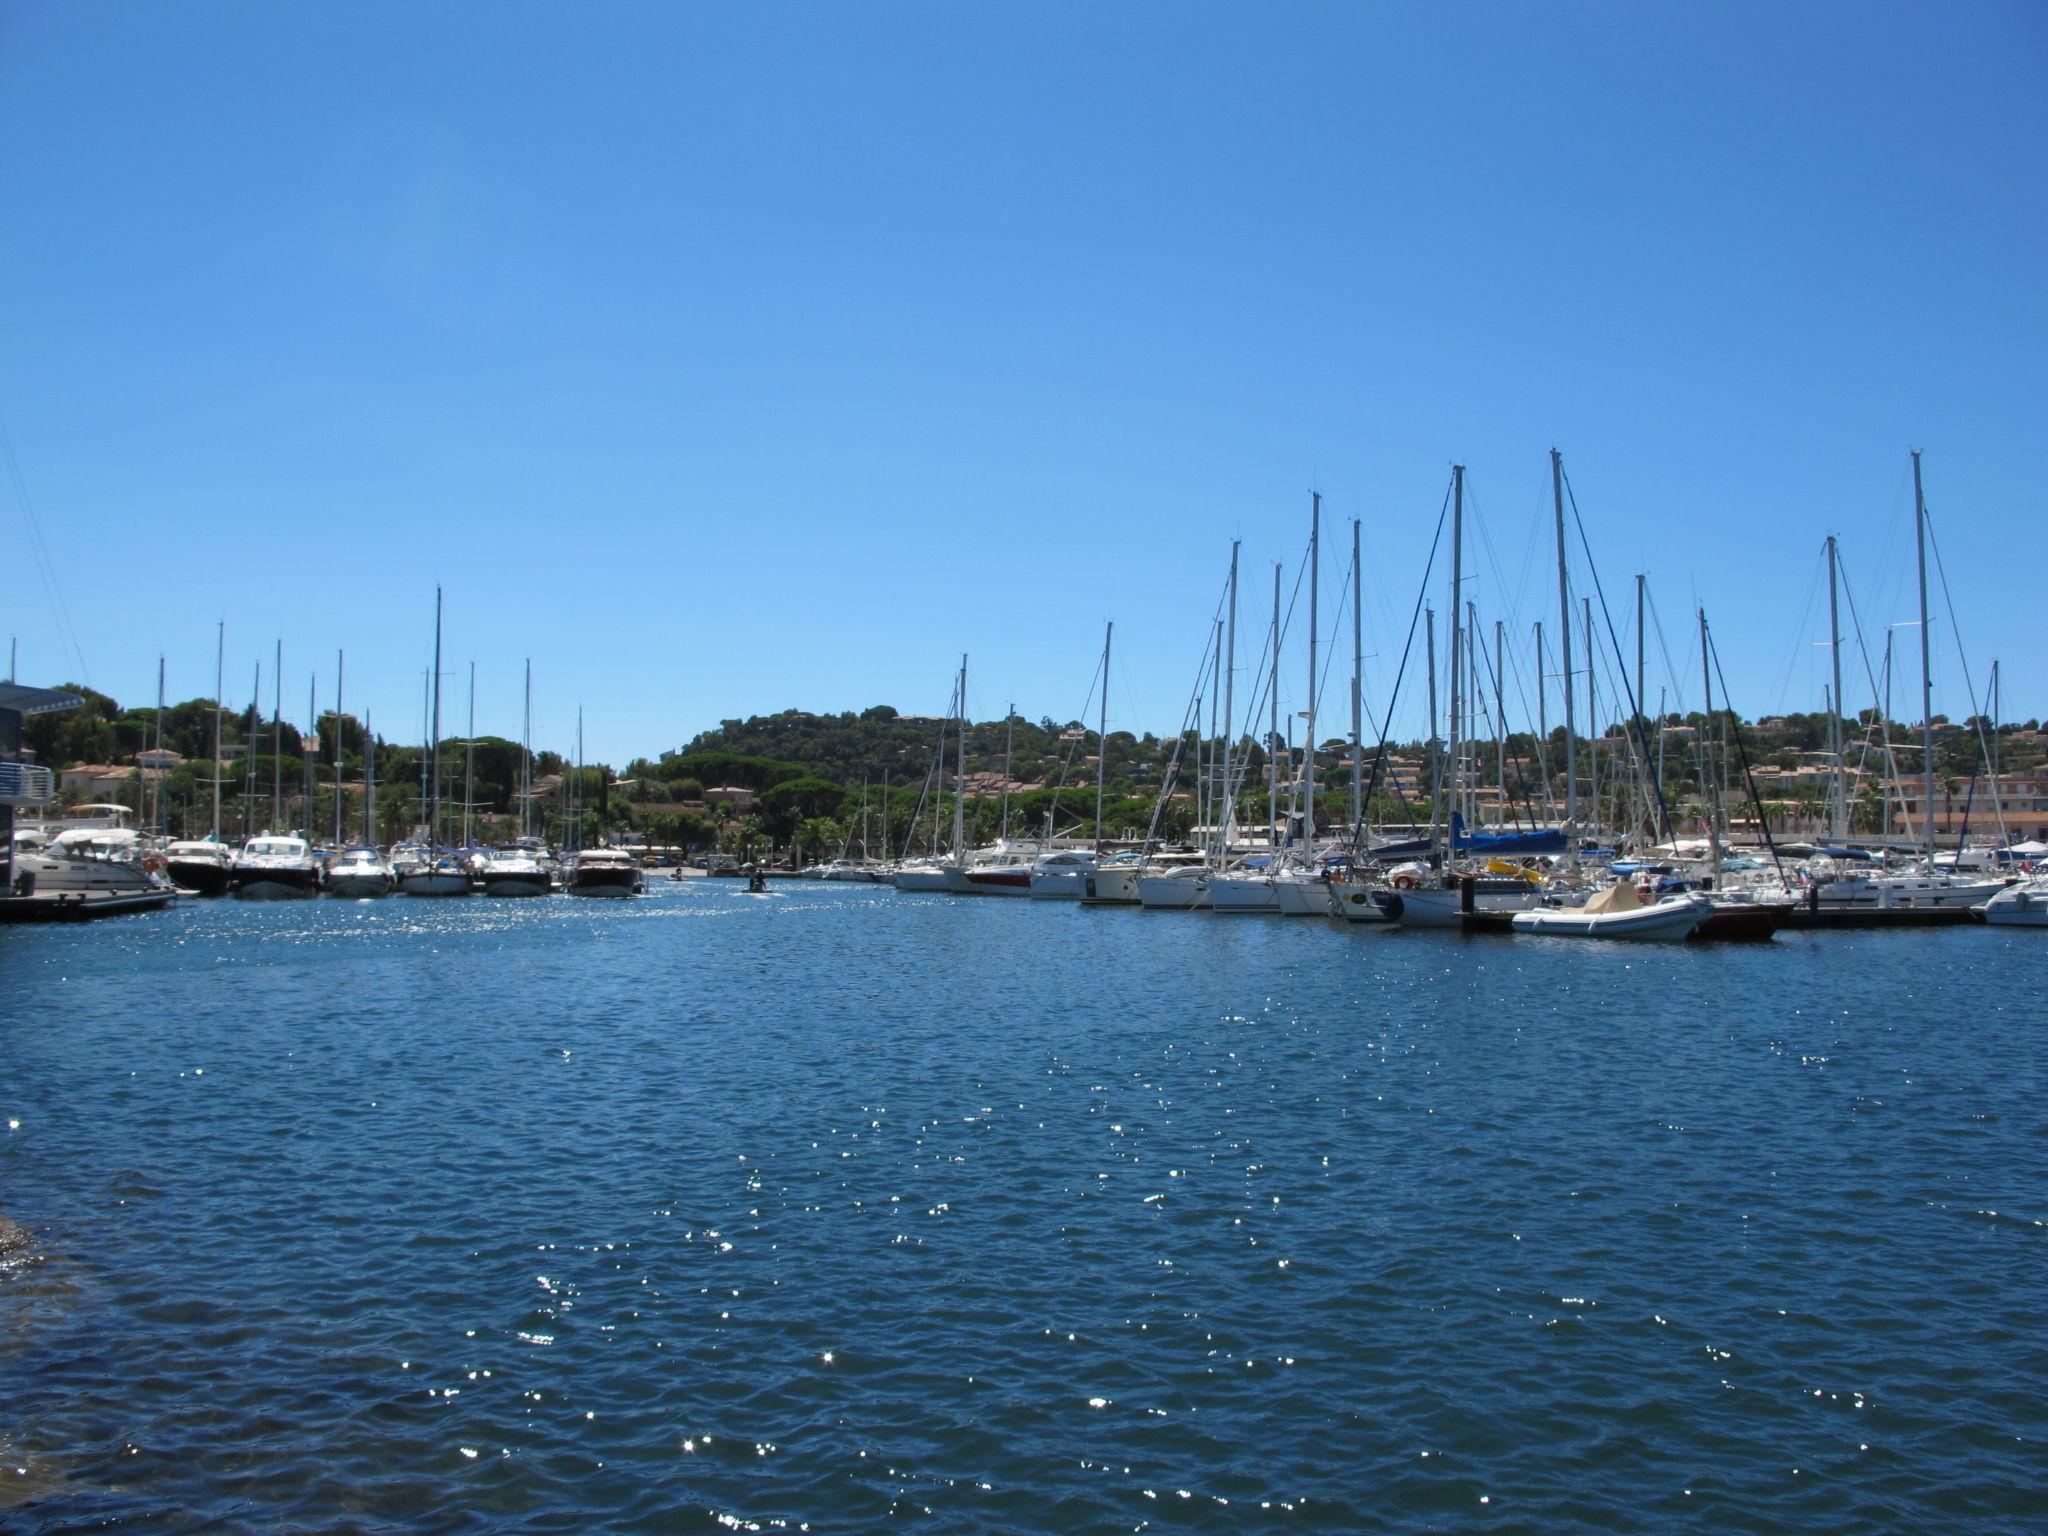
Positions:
(2019, 906)
(1062, 876)
(1840, 890)
(1619, 913)
(515, 871)
(1179, 883)
(922, 875)
(70, 868)
(205, 868)
(1430, 900)
(275, 868)
(857, 871)
(1304, 893)
(604, 872)
(1357, 902)
(1113, 882)
(357, 874)
(444, 875)
(1002, 869)
(1246, 887)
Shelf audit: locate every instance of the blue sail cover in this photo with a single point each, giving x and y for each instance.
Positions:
(1535, 840)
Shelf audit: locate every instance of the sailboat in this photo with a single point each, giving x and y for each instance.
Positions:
(1063, 874)
(205, 866)
(439, 873)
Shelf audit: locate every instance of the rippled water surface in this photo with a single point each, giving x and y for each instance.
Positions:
(842, 1209)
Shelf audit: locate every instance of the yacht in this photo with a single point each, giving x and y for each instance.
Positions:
(1113, 882)
(1001, 869)
(1174, 882)
(445, 874)
(604, 872)
(922, 875)
(357, 874)
(1245, 887)
(515, 871)
(1439, 900)
(855, 870)
(275, 867)
(2019, 906)
(1836, 889)
(1062, 876)
(1619, 913)
(1304, 892)
(69, 869)
(205, 868)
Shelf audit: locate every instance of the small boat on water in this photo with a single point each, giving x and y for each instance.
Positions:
(604, 872)
(358, 874)
(515, 871)
(856, 871)
(1619, 913)
(205, 868)
(445, 874)
(2018, 906)
(275, 868)
(1061, 876)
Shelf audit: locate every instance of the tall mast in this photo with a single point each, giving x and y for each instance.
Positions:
(1475, 702)
(1457, 633)
(1593, 731)
(1436, 757)
(249, 750)
(1357, 695)
(159, 821)
(1543, 725)
(1273, 727)
(312, 730)
(469, 758)
(960, 776)
(1212, 800)
(434, 750)
(1229, 817)
(338, 679)
(369, 784)
(277, 741)
(1650, 799)
(1926, 657)
(1707, 755)
(526, 757)
(1102, 736)
(1308, 743)
(1564, 643)
(1838, 820)
(1009, 734)
(220, 655)
(1500, 718)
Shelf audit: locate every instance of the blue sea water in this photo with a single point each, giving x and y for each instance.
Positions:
(838, 1209)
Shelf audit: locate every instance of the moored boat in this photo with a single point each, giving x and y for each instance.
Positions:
(205, 868)
(604, 872)
(275, 868)
(1618, 913)
(357, 874)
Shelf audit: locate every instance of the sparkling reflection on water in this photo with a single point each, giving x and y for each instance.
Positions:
(847, 1209)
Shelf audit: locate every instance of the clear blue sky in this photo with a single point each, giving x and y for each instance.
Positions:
(732, 358)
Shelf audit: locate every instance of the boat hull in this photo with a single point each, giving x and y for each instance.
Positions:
(1368, 904)
(604, 882)
(1059, 884)
(202, 877)
(2016, 909)
(928, 878)
(1000, 882)
(435, 882)
(1172, 893)
(1243, 893)
(276, 884)
(1110, 888)
(1667, 921)
(1305, 898)
(523, 884)
(358, 887)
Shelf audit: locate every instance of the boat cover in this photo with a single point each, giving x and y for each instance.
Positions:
(1618, 897)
